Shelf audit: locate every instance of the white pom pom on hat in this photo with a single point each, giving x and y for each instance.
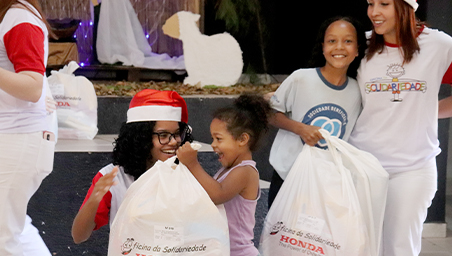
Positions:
(412, 3)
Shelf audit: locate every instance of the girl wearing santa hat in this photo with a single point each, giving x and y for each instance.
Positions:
(399, 79)
(155, 128)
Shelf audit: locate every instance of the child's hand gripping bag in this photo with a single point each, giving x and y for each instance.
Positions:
(317, 211)
(167, 212)
(76, 103)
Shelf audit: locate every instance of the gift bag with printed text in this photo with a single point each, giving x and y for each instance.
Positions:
(167, 212)
(76, 103)
(318, 210)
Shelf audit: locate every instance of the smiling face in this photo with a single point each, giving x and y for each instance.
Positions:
(224, 144)
(340, 45)
(163, 152)
(382, 13)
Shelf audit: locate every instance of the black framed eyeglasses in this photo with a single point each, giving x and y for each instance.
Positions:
(165, 137)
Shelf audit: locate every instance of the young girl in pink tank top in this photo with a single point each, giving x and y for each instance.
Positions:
(235, 132)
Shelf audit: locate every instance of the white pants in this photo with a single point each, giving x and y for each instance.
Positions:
(25, 160)
(410, 194)
(32, 243)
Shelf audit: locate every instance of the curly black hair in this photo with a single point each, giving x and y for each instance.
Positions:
(318, 59)
(132, 148)
(249, 114)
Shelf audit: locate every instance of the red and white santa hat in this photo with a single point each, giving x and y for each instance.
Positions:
(154, 105)
(412, 3)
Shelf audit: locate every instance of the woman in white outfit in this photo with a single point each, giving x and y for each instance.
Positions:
(399, 79)
(26, 147)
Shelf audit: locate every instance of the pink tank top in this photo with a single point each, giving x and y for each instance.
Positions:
(240, 213)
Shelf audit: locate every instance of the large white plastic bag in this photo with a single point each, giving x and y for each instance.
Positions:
(371, 184)
(167, 212)
(316, 211)
(76, 103)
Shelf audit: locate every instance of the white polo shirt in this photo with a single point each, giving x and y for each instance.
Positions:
(23, 47)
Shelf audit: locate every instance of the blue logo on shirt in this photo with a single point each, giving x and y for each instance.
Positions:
(330, 117)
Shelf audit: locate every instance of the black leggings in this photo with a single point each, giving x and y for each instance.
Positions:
(275, 185)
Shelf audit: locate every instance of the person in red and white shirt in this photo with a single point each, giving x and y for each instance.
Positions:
(399, 79)
(26, 155)
(155, 128)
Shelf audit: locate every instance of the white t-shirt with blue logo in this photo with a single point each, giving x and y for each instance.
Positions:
(307, 97)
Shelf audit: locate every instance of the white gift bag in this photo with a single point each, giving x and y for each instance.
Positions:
(371, 185)
(167, 212)
(76, 103)
(317, 210)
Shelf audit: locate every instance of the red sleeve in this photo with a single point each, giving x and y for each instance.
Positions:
(103, 211)
(24, 45)
(447, 78)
